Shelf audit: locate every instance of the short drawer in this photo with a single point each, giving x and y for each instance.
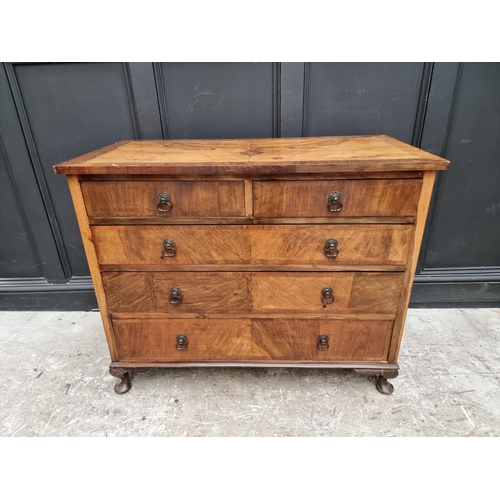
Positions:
(177, 292)
(336, 198)
(171, 245)
(150, 340)
(271, 293)
(164, 199)
(326, 293)
(320, 340)
(331, 245)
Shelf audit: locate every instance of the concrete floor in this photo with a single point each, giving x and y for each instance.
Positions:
(55, 382)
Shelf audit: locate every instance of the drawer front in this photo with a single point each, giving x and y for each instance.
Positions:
(136, 245)
(185, 198)
(259, 293)
(150, 340)
(297, 339)
(200, 292)
(373, 244)
(395, 197)
(154, 340)
(326, 293)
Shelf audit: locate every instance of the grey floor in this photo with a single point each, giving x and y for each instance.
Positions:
(54, 382)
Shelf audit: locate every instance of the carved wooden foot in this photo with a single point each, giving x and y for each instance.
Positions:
(383, 385)
(124, 385)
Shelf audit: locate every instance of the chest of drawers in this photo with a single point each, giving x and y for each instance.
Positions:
(257, 252)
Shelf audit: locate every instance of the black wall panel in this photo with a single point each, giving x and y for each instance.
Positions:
(52, 112)
(362, 98)
(465, 231)
(218, 100)
(72, 109)
(26, 199)
(18, 257)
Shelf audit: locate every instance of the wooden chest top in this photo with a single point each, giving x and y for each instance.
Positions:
(254, 157)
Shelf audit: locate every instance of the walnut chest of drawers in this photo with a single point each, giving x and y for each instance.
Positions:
(257, 252)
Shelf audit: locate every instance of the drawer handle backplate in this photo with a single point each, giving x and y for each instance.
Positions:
(164, 202)
(334, 202)
(331, 250)
(323, 344)
(181, 342)
(175, 295)
(169, 249)
(327, 296)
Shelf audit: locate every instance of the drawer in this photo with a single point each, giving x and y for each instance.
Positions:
(358, 198)
(201, 292)
(185, 198)
(357, 244)
(308, 292)
(150, 340)
(194, 245)
(297, 339)
(155, 340)
(257, 293)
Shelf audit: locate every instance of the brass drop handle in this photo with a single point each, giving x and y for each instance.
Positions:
(327, 295)
(169, 249)
(331, 250)
(164, 202)
(323, 344)
(175, 295)
(334, 202)
(181, 342)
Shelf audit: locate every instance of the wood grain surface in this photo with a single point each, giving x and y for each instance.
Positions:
(332, 175)
(90, 253)
(380, 366)
(140, 199)
(355, 293)
(380, 198)
(423, 208)
(357, 245)
(148, 221)
(264, 245)
(251, 267)
(297, 339)
(262, 156)
(202, 292)
(241, 293)
(154, 340)
(250, 222)
(141, 245)
(208, 339)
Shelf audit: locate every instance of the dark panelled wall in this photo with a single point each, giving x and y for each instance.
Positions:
(53, 112)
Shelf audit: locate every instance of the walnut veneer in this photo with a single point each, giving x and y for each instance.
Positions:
(255, 252)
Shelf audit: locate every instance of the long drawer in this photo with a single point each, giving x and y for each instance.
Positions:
(346, 198)
(164, 199)
(357, 244)
(261, 293)
(190, 340)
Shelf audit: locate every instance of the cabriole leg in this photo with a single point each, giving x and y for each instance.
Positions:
(124, 385)
(383, 385)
